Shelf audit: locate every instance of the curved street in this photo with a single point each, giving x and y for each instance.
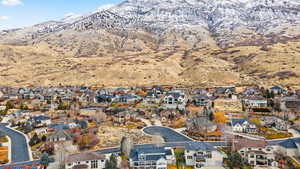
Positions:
(19, 148)
(172, 139)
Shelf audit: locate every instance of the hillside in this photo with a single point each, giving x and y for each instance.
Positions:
(167, 42)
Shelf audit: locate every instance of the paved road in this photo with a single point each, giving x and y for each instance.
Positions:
(19, 149)
(172, 138)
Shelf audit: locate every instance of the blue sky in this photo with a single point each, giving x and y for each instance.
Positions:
(21, 13)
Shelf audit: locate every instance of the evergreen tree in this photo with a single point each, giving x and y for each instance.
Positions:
(44, 161)
(235, 160)
(111, 163)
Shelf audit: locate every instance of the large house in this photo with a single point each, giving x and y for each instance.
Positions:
(277, 90)
(151, 98)
(151, 157)
(272, 121)
(199, 155)
(58, 136)
(243, 126)
(175, 99)
(255, 102)
(202, 100)
(290, 147)
(256, 152)
(86, 160)
(288, 104)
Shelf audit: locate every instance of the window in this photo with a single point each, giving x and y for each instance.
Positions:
(251, 155)
(209, 154)
(69, 164)
(94, 164)
(189, 157)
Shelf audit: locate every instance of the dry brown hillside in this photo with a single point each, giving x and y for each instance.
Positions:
(43, 65)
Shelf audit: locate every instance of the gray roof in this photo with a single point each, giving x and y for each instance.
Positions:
(60, 134)
(199, 146)
(85, 156)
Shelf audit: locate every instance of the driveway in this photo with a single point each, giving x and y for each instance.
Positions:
(19, 149)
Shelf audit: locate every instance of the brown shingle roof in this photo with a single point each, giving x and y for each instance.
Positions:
(239, 144)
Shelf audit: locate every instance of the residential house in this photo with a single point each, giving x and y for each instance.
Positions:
(200, 154)
(104, 98)
(288, 104)
(243, 126)
(200, 125)
(151, 98)
(85, 160)
(175, 100)
(58, 126)
(252, 91)
(290, 147)
(202, 100)
(256, 152)
(272, 121)
(58, 136)
(40, 120)
(169, 115)
(151, 157)
(255, 103)
(277, 90)
(122, 117)
(200, 91)
(227, 92)
(127, 98)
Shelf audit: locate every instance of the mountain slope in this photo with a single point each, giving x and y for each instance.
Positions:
(187, 42)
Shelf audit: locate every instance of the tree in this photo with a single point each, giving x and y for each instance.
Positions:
(28, 127)
(61, 153)
(111, 163)
(9, 105)
(126, 146)
(158, 140)
(34, 140)
(44, 161)
(235, 160)
(99, 116)
(44, 138)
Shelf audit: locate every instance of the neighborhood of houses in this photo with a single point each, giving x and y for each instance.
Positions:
(158, 127)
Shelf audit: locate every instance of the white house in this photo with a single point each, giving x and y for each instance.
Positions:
(243, 126)
(175, 100)
(256, 152)
(86, 160)
(199, 155)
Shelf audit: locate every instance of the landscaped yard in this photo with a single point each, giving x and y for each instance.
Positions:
(274, 134)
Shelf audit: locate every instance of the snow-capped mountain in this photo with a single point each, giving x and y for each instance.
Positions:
(228, 22)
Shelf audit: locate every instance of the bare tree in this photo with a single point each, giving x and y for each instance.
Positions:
(126, 146)
(62, 151)
(99, 116)
(158, 140)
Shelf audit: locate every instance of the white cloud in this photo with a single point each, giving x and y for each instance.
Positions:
(3, 18)
(11, 2)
